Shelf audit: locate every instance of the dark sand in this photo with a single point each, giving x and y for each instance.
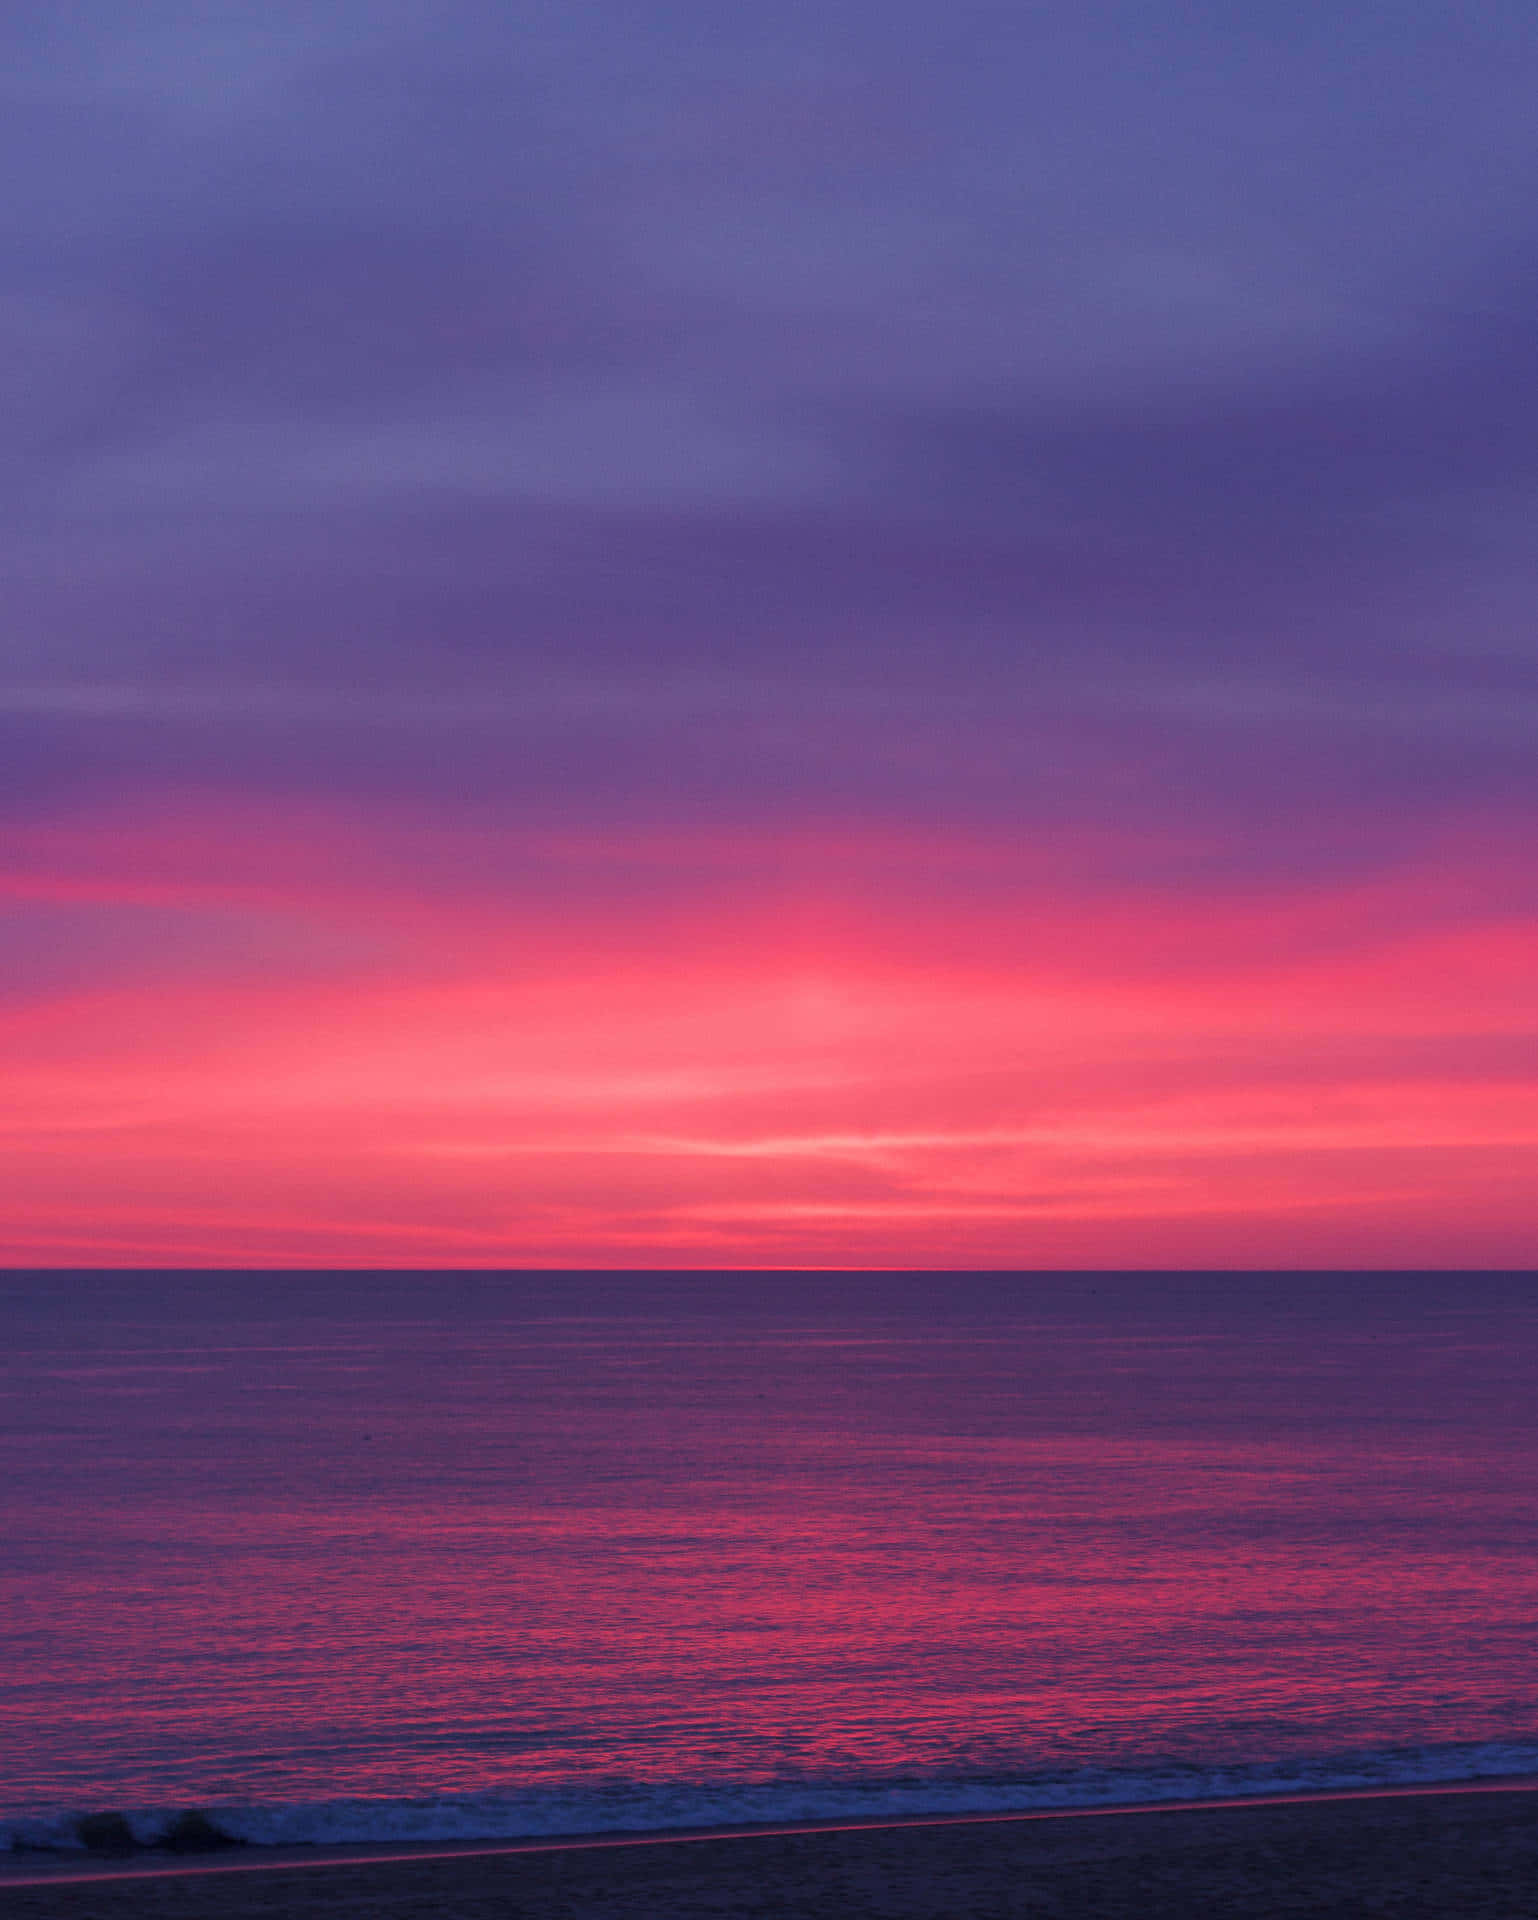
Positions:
(1391, 1858)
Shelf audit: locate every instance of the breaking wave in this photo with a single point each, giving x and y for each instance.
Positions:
(554, 1813)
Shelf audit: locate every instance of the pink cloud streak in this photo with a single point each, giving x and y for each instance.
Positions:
(825, 1050)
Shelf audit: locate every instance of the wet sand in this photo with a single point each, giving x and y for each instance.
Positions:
(1399, 1857)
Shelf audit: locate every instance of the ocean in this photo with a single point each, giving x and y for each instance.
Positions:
(364, 1557)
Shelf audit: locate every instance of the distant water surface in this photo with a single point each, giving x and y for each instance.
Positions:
(353, 1556)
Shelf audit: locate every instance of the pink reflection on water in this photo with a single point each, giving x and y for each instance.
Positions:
(414, 1556)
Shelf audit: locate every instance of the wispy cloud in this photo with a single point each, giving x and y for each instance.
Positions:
(575, 493)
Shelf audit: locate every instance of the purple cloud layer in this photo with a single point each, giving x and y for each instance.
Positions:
(969, 414)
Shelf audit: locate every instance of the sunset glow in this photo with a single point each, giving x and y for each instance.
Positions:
(943, 1052)
(893, 638)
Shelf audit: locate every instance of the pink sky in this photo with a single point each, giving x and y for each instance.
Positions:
(820, 1049)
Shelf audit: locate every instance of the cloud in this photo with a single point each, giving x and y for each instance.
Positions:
(904, 416)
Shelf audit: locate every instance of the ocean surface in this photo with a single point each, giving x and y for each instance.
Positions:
(385, 1557)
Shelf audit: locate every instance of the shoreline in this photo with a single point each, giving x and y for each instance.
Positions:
(42, 1869)
(1462, 1851)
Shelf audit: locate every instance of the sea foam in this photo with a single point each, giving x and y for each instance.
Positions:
(554, 1813)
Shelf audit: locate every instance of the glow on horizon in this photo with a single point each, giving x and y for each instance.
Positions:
(835, 640)
(941, 1065)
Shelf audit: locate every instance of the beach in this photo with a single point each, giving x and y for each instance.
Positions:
(1410, 1856)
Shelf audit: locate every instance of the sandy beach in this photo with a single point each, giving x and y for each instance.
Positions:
(1401, 1857)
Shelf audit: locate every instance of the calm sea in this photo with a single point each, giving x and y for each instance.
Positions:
(380, 1556)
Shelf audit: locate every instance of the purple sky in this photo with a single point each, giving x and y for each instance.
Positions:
(1113, 425)
(963, 409)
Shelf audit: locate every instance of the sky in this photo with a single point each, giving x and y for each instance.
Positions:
(812, 636)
